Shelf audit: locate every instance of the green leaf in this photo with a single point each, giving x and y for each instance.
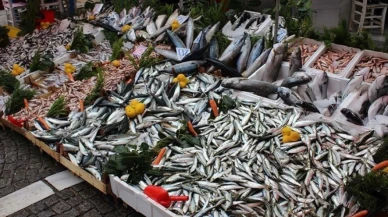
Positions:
(120, 149)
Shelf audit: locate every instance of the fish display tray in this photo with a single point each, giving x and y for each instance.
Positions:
(299, 41)
(137, 199)
(334, 47)
(42, 146)
(349, 70)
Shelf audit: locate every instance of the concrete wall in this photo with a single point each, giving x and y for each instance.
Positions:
(330, 12)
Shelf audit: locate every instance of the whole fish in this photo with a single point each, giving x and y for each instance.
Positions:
(195, 45)
(378, 88)
(274, 62)
(377, 107)
(307, 106)
(258, 62)
(196, 55)
(178, 43)
(352, 116)
(212, 31)
(172, 17)
(213, 51)
(258, 87)
(256, 51)
(226, 70)
(236, 43)
(295, 61)
(169, 54)
(185, 67)
(287, 95)
(160, 21)
(298, 78)
(323, 85)
(355, 83)
(243, 58)
(189, 33)
(151, 28)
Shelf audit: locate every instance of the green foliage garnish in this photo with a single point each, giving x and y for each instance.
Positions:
(222, 40)
(371, 190)
(43, 63)
(227, 103)
(116, 49)
(58, 108)
(119, 5)
(27, 23)
(8, 82)
(96, 91)
(87, 71)
(81, 43)
(254, 39)
(111, 36)
(211, 12)
(159, 8)
(16, 102)
(136, 163)
(145, 61)
(4, 38)
(382, 152)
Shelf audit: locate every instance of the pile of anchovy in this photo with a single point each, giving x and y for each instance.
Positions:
(23, 49)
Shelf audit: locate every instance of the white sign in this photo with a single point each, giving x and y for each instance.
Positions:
(196, 40)
(88, 28)
(181, 19)
(97, 8)
(139, 51)
(64, 24)
(182, 52)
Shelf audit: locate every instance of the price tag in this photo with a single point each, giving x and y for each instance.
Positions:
(139, 51)
(97, 8)
(88, 28)
(196, 40)
(64, 24)
(181, 19)
(182, 52)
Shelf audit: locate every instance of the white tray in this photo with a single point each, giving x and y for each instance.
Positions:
(335, 47)
(299, 41)
(349, 70)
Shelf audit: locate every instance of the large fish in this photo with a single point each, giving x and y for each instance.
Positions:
(226, 70)
(189, 33)
(377, 107)
(355, 83)
(243, 58)
(257, 63)
(274, 62)
(295, 61)
(213, 51)
(298, 78)
(185, 67)
(178, 43)
(258, 87)
(212, 31)
(256, 51)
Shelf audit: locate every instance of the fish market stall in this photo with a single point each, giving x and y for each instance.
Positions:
(168, 114)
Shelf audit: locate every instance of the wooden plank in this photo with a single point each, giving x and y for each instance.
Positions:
(83, 174)
(31, 138)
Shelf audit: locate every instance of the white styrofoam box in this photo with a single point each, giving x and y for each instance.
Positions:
(62, 59)
(99, 37)
(299, 41)
(137, 200)
(338, 47)
(349, 70)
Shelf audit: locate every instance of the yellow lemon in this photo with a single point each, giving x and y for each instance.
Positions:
(91, 17)
(68, 70)
(125, 28)
(139, 108)
(15, 66)
(68, 46)
(286, 139)
(175, 26)
(116, 63)
(181, 77)
(294, 136)
(72, 67)
(14, 73)
(182, 84)
(130, 112)
(134, 102)
(19, 70)
(286, 130)
(175, 80)
(385, 170)
(67, 65)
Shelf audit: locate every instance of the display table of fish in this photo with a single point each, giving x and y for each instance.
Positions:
(334, 61)
(377, 66)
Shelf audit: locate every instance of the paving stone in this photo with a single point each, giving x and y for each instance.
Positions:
(46, 213)
(88, 193)
(71, 213)
(5, 182)
(105, 207)
(9, 166)
(74, 201)
(35, 165)
(53, 199)
(61, 207)
(80, 186)
(32, 172)
(37, 207)
(21, 213)
(66, 194)
(92, 213)
(85, 206)
(97, 200)
(22, 183)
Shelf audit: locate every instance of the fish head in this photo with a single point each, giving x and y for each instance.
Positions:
(325, 78)
(284, 92)
(280, 48)
(230, 82)
(303, 76)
